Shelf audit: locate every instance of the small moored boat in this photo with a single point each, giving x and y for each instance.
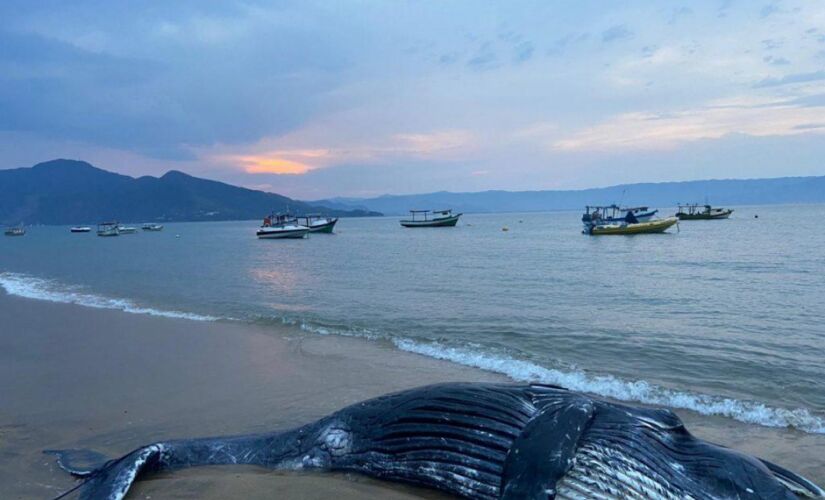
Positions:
(439, 218)
(80, 229)
(281, 227)
(702, 212)
(653, 226)
(318, 224)
(126, 229)
(15, 231)
(614, 214)
(108, 229)
(152, 227)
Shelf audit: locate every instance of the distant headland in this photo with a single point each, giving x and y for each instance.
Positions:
(784, 190)
(73, 192)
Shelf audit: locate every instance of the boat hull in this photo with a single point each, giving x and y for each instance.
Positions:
(445, 222)
(281, 234)
(720, 215)
(108, 233)
(657, 226)
(15, 233)
(326, 227)
(81, 230)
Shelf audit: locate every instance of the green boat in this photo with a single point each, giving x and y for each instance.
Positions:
(439, 218)
(702, 212)
(318, 224)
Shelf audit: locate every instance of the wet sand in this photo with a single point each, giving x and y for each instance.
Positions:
(75, 377)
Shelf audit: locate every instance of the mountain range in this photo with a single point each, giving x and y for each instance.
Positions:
(664, 194)
(75, 192)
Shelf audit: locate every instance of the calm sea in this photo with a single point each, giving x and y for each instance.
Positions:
(722, 317)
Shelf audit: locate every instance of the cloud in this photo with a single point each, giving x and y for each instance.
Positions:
(523, 51)
(484, 58)
(679, 13)
(776, 61)
(276, 156)
(790, 79)
(652, 131)
(768, 10)
(616, 33)
(170, 80)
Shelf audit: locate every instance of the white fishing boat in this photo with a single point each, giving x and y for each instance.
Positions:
(81, 229)
(108, 229)
(152, 227)
(126, 229)
(16, 231)
(281, 227)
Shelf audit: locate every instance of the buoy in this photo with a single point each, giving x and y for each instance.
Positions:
(756, 216)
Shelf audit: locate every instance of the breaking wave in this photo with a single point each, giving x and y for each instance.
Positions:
(31, 287)
(640, 391)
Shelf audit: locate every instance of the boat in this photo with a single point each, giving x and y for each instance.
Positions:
(423, 218)
(614, 214)
(108, 229)
(318, 224)
(281, 227)
(81, 229)
(15, 230)
(653, 226)
(702, 212)
(126, 230)
(152, 227)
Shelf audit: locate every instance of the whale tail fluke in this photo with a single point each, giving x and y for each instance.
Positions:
(104, 479)
(79, 462)
(794, 482)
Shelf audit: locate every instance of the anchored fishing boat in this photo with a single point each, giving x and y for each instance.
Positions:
(431, 218)
(318, 224)
(152, 227)
(702, 212)
(614, 214)
(80, 229)
(19, 230)
(108, 229)
(653, 226)
(281, 227)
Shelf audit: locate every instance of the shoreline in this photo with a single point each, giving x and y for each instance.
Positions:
(625, 388)
(110, 380)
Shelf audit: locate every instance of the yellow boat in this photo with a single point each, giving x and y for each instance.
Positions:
(654, 226)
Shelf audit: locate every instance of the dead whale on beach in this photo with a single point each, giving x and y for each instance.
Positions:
(480, 441)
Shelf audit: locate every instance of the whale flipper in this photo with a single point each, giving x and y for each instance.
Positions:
(555, 429)
(79, 462)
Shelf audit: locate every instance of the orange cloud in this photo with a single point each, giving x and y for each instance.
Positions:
(272, 165)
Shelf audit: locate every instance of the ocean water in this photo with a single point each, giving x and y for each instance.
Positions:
(721, 317)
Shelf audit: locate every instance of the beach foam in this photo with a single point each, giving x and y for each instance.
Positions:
(751, 412)
(31, 287)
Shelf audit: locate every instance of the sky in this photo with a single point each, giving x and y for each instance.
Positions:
(359, 98)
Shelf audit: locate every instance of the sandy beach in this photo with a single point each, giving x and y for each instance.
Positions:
(77, 377)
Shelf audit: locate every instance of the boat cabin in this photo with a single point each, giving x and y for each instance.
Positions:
(277, 220)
